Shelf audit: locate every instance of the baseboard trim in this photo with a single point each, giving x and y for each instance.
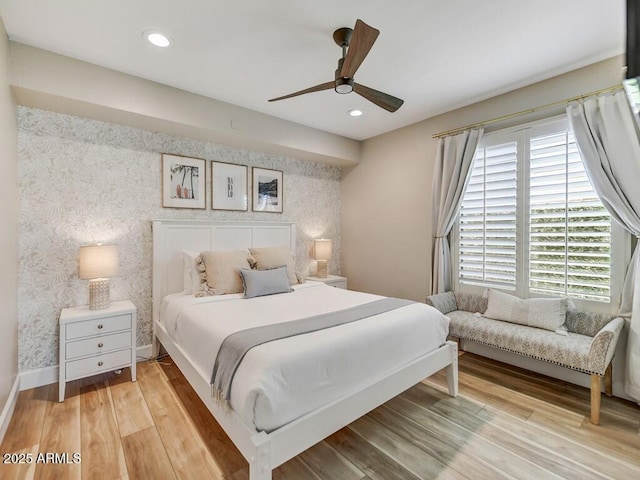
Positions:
(38, 377)
(9, 407)
(144, 353)
(48, 375)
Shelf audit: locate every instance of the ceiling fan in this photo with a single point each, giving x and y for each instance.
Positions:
(355, 46)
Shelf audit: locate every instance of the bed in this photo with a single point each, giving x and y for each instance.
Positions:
(270, 416)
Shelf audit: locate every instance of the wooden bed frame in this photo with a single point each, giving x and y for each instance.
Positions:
(266, 451)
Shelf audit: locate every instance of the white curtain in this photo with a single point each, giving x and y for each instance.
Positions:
(450, 177)
(608, 139)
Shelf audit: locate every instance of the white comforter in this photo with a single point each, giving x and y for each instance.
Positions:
(282, 380)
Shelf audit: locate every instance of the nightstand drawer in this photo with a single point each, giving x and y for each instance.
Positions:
(97, 364)
(94, 346)
(98, 326)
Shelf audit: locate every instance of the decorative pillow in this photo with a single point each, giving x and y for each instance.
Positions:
(273, 257)
(444, 302)
(258, 283)
(586, 323)
(191, 279)
(470, 302)
(222, 271)
(546, 313)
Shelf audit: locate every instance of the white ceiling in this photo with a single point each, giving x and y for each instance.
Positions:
(437, 55)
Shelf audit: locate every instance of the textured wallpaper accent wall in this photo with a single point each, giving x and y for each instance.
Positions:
(83, 181)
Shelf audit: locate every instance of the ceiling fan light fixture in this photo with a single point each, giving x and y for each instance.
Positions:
(344, 85)
(156, 38)
(355, 46)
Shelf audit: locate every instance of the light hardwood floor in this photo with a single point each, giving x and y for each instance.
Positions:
(506, 423)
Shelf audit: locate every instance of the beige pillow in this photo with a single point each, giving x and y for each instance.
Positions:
(274, 257)
(222, 271)
(546, 313)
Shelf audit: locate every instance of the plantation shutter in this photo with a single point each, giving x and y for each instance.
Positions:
(487, 221)
(569, 228)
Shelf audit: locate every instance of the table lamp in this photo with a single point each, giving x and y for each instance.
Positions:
(97, 263)
(322, 253)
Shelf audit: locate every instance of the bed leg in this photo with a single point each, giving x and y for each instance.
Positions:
(260, 463)
(452, 370)
(259, 473)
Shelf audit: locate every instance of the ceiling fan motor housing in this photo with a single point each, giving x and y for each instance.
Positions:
(342, 36)
(344, 85)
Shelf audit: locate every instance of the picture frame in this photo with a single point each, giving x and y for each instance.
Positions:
(183, 182)
(267, 190)
(229, 186)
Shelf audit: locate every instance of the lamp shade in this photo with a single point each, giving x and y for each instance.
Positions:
(323, 249)
(98, 261)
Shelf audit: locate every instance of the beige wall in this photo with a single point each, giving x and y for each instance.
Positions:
(9, 235)
(386, 199)
(53, 82)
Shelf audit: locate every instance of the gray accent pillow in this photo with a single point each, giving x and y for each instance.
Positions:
(444, 302)
(258, 283)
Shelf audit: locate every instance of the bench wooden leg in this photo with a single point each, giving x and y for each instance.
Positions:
(595, 399)
(608, 381)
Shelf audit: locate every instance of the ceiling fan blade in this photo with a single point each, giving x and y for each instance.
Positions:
(362, 39)
(317, 88)
(383, 100)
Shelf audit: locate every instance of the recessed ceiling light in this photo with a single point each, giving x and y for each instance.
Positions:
(158, 39)
(354, 112)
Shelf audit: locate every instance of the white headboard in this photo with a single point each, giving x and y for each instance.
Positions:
(170, 237)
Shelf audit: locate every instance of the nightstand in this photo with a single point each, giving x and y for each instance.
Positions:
(96, 341)
(333, 280)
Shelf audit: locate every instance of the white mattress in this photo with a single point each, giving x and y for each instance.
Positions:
(282, 380)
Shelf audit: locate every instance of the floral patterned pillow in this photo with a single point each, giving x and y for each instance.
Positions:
(471, 303)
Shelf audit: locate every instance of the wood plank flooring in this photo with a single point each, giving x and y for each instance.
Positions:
(507, 423)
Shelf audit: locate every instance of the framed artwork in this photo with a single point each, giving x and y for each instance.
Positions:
(267, 190)
(183, 182)
(229, 186)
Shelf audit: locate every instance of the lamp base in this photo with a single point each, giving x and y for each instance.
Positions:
(322, 269)
(99, 294)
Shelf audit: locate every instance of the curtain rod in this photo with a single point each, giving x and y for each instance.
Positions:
(526, 112)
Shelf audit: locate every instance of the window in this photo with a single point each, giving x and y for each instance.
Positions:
(531, 223)
(488, 218)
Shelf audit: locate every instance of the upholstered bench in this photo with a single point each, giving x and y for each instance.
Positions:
(584, 342)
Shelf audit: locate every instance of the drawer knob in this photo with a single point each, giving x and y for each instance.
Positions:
(100, 326)
(100, 363)
(100, 345)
